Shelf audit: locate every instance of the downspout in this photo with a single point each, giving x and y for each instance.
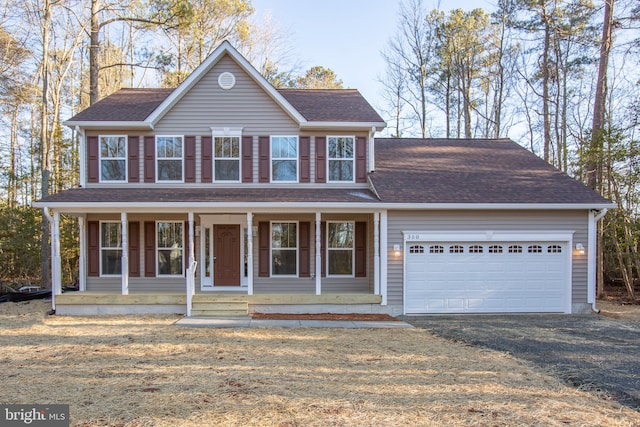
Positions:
(591, 263)
(46, 212)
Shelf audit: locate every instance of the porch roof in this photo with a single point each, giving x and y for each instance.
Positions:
(168, 197)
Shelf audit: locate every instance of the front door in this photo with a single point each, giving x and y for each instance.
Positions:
(226, 255)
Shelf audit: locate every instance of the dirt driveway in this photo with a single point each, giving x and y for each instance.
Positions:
(598, 353)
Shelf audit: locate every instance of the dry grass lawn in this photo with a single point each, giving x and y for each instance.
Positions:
(145, 371)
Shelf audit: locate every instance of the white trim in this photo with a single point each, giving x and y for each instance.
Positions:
(125, 253)
(157, 248)
(297, 159)
(126, 159)
(353, 249)
(384, 252)
(82, 256)
(344, 125)
(82, 154)
(224, 48)
(91, 124)
(353, 159)
(372, 150)
(157, 158)
(249, 229)
(376, 253)
(297, 223)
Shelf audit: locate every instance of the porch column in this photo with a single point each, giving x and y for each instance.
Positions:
(383, 256)
(56, 263)
(82, 267)
(125, 254)
(376, 253)
(318, 255)
(249, 253)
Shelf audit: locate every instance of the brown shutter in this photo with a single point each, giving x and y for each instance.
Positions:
(361, 159)
(134, 249)
(263, 245)
(189, 159)
(263, 153)
(134, 158)
(93, 162)
(94, 248)
(305, 252)
(247, 159)
(361, 249)
(149, 159)
(321, 159)
(206, 153)
(149, 249)
(305, 159)
(323, 247)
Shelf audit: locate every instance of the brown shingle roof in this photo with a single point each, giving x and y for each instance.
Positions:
(470, 171)
(129, 105)
(331, 105)
(188, 194)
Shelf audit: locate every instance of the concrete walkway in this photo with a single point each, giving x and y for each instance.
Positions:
(248, 322)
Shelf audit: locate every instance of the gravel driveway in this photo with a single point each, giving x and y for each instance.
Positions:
(588, 351)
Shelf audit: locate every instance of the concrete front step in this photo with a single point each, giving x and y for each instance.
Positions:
(214, 309)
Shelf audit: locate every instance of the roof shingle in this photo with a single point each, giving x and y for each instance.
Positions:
(125, 105)
(331, 105)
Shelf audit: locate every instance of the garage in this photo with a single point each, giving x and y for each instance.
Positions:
(487, 276)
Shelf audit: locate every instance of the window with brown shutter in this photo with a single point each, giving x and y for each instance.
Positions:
(93, 231)
(149, 249)
(149, 158)
(134, 158)
(321, 159)
(304, 234)
(361, 159)
(93, 166)
(134, 249)
(305, 159)
(247, 159)
(206, 154)
(263, 249)
(190, 159)
(263, 158)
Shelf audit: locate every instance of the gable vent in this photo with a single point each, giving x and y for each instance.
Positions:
(226, 80)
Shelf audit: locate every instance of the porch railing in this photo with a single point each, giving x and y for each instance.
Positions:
(191, 285)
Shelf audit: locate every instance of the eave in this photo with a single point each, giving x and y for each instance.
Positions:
(90, 125)
(343, 126)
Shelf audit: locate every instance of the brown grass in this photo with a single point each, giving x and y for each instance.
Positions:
(145, 371)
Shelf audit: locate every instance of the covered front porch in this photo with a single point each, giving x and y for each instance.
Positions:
(251, 282)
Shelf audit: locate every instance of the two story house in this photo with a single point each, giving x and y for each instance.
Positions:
(227, 196)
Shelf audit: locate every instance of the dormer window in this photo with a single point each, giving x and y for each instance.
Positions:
(341, 155)
(113, 158)
(284, 159)
(169, 158)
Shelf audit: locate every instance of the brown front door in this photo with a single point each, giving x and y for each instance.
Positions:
(226, 252)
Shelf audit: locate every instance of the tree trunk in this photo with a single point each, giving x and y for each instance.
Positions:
(94, 52)
(45, 146)
(545, 85)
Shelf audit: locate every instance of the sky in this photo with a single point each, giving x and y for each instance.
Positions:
(346, 36)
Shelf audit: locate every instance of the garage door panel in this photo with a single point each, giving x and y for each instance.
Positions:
(488, 281)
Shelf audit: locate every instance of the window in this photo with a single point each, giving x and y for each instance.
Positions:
(340, 248)
(456, 249)
(340, 158)
(534, 249)
(495, 249)
(436, 249)
(113, 158)
(416, 249)
(226, 158)
(110, 248)
(169, 166)
(284, 249)
(515, 249)
(169, 252)
(284, 158)
(554, 249)
(476, 249)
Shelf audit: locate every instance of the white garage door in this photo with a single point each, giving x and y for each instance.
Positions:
(486, 277)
